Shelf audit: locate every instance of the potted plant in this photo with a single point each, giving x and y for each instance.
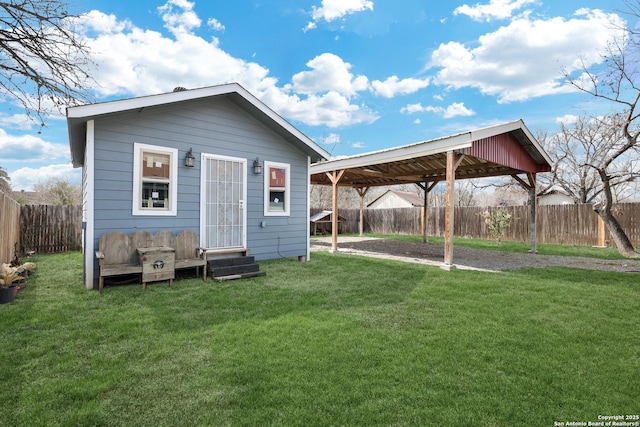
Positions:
(24, 270)
(8, 276)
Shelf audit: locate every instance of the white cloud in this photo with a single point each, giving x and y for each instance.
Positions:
(215, 24)
(358, 145)
(329, 73)
(524, 59)
(16, 121)
(331, 109)
(179, 17)
(496, 9)
(567, 119)
(456, 109)
(336, 9)
(29, 148)
(331, 139)
(134, 61)
(393, 86)
(25, 178)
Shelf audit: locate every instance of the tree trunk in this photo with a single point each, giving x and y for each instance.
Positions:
(624, 245)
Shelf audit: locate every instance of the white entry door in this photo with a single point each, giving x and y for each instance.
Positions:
(222, 211)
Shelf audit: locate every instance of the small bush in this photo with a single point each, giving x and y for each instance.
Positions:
(498, 221)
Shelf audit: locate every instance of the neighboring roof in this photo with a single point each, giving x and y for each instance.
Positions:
(506, 149)
(77, 117)
(412, 198)
(553, 193)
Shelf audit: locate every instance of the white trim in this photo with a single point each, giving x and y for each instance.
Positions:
(203, 195)
(89, 203)
(287, 189)
(137, 180)
(308, 208)
(76, 115)
(426, 148)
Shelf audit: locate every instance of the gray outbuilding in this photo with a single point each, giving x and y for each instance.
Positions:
(214, 160)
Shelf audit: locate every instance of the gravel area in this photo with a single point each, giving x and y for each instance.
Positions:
(465, 258)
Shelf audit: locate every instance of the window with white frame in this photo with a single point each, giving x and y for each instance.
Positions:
(276, 189)
(155, 180)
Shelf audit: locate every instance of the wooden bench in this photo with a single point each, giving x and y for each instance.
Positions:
(118, 253)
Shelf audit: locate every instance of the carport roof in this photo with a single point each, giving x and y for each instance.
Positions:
(505, 149)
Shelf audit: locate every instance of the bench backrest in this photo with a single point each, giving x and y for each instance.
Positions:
(187, 245)
(118, 248)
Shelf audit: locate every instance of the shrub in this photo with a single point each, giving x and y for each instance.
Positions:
(497, 221)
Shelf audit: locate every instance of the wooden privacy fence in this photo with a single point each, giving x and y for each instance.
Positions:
(50, 229)
(562, 224)
(9, 227)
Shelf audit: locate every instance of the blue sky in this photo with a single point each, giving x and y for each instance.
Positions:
(353, 75)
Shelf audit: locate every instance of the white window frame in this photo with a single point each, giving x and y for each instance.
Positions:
(172, 210)
(267, 189)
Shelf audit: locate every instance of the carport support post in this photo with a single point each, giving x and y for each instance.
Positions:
(362, 191)
(453, 161)
(425, 209)
(334, 177)
(533, 201)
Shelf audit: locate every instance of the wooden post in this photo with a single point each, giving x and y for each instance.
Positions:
(334, 177)
(362, 191)
(601, 243)
(425, 236)
(453, 161)
(533, 229)
(533, 201)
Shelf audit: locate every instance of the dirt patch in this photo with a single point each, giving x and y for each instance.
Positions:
(466, 258)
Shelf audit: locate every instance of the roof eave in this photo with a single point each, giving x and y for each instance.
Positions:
(77, 116)
(426, 148)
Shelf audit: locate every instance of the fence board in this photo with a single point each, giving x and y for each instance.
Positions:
(9, 227)
(50, 229)
(561, 224)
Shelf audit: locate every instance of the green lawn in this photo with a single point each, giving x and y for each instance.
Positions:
(340, 340)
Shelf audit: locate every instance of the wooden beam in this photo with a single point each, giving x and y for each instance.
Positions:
(522, 182)
(334, 177)
(453, 161)
(362, 191)
(533, 201)
(530, 186)
(427, 187)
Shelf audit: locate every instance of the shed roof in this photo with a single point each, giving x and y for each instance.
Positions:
(78, 116)
(322, 215)
(506, 149)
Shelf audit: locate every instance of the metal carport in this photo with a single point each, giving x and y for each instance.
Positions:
(507, 149)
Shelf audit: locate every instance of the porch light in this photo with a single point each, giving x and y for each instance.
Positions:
(189, 160)
(257, 167)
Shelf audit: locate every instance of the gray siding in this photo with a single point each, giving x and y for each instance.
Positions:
(217, 127)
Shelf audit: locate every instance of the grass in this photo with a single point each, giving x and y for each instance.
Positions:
(511, 246)
(341, 340)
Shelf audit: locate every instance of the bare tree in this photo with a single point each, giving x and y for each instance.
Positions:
(464, 194)
(322, 196)
(616, 83)
(59, 191)
(581, 149)
(42, 59)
